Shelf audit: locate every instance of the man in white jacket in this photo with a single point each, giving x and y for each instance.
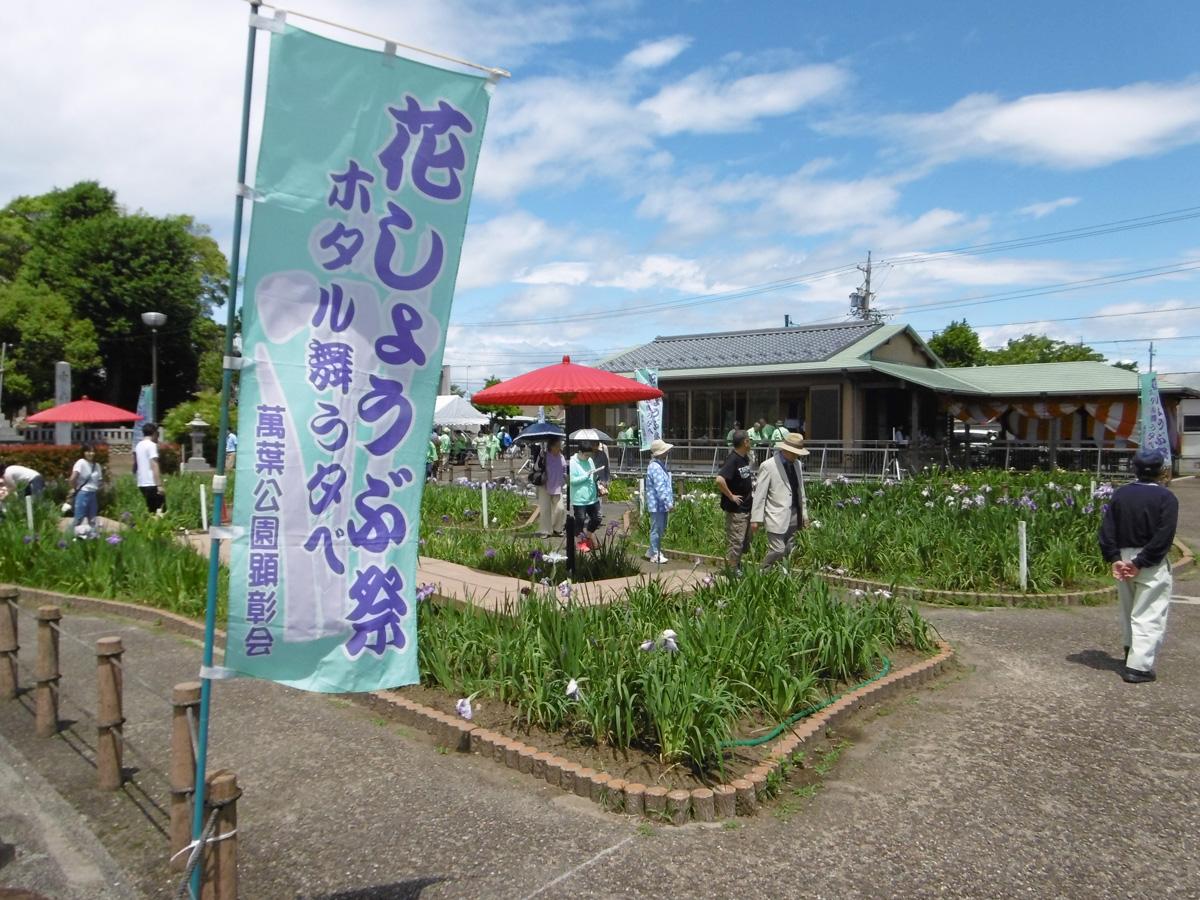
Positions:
(779, 502)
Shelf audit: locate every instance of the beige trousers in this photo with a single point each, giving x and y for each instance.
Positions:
(552, 514)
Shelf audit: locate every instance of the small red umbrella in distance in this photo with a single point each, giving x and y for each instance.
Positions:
(570, 385)
(85, 411)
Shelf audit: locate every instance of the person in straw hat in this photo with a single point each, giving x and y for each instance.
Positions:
(779, 501)
(660, 498)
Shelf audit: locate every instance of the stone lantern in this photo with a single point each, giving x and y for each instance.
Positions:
(196, 462)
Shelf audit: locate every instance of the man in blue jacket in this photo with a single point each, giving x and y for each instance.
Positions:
(1135, 536)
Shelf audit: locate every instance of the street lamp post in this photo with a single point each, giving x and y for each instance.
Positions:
(155, 321)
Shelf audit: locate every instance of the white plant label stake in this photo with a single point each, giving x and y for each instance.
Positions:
(1022, 554)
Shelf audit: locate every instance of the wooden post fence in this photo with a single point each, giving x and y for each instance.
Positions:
(219, 879)
(110, 718)
(8, 642)
(185, 699)
(46, 673)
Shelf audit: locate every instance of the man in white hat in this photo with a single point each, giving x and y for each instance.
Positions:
(779, 501)
(660, 498)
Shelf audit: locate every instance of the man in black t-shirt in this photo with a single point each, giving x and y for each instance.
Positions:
(736, 487)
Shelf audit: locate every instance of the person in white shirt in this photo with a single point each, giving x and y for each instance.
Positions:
(86, 476)
(149, 476)
(24, 481)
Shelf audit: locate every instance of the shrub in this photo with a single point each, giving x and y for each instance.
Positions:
(49, 459)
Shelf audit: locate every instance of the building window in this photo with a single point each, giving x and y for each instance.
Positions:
(826, 423)
(762, 404)
(675, 415)
(1191, 424)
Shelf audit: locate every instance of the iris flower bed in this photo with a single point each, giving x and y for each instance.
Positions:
(528, 558)
(144, 563)
(679, 676)
(461, 504)
(942, 530)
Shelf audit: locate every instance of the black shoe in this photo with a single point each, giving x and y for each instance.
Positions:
(1137, 676)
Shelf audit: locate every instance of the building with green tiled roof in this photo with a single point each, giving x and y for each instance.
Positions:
(852, 382)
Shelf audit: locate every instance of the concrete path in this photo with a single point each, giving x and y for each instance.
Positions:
(1033, 772)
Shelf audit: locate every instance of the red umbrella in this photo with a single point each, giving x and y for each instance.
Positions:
(570, 385)
(83, 410)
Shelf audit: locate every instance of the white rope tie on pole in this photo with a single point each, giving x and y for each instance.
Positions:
(492, 71)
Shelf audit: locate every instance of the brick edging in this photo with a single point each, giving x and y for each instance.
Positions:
(740, 797)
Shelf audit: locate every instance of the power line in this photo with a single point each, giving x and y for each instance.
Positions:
(1060, 288)
(1143, 312)
(1054, 237)
(652, 308)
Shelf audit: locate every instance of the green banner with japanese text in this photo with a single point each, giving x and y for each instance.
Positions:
(363, 182)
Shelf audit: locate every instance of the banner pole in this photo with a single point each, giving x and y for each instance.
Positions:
(214, 549)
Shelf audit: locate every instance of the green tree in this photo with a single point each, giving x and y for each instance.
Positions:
(502, 411)
(206, 404)
(109, 267)
(41, 329)
(1037, 348)
(958, 345)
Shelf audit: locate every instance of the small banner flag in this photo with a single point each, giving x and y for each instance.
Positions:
(1154, 433)
(364, 178)
(145, 404)
(649, 411)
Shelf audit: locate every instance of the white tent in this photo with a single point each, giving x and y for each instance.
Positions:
(455, 412)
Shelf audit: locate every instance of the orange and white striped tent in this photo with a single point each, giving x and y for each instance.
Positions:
(1110, 422)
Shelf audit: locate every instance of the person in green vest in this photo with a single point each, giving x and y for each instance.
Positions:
(432, 454)
(444, 448)
(755, 433)
(781, 431)
(483, 449)
(737, 426)
(459, 447)
(493, 448)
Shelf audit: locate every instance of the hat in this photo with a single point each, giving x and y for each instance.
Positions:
(793, 443)
(658, 447)
(1148, 460)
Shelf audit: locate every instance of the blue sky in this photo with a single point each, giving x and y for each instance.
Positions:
(648, 154)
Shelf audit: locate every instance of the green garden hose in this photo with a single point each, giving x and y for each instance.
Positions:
(792, 720)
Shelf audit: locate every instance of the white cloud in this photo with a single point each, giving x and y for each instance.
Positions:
(658, 271)
(1041, 210)
(496, 250)
(147, 99)
(701, 102)
(568, 273)
(653, 54)
(554, 131)
(1068, 129)
(808, 206)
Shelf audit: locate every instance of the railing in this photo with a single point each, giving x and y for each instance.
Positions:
(1102, 461)
(114, 437)
(884, 459)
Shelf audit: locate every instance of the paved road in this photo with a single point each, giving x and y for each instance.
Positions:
(1034, 772)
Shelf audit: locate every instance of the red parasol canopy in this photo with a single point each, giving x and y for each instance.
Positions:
(565, 383)
(85, 411)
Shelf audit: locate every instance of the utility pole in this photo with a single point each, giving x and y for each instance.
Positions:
(1152, 356)
(3, 354)
(860, 299)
